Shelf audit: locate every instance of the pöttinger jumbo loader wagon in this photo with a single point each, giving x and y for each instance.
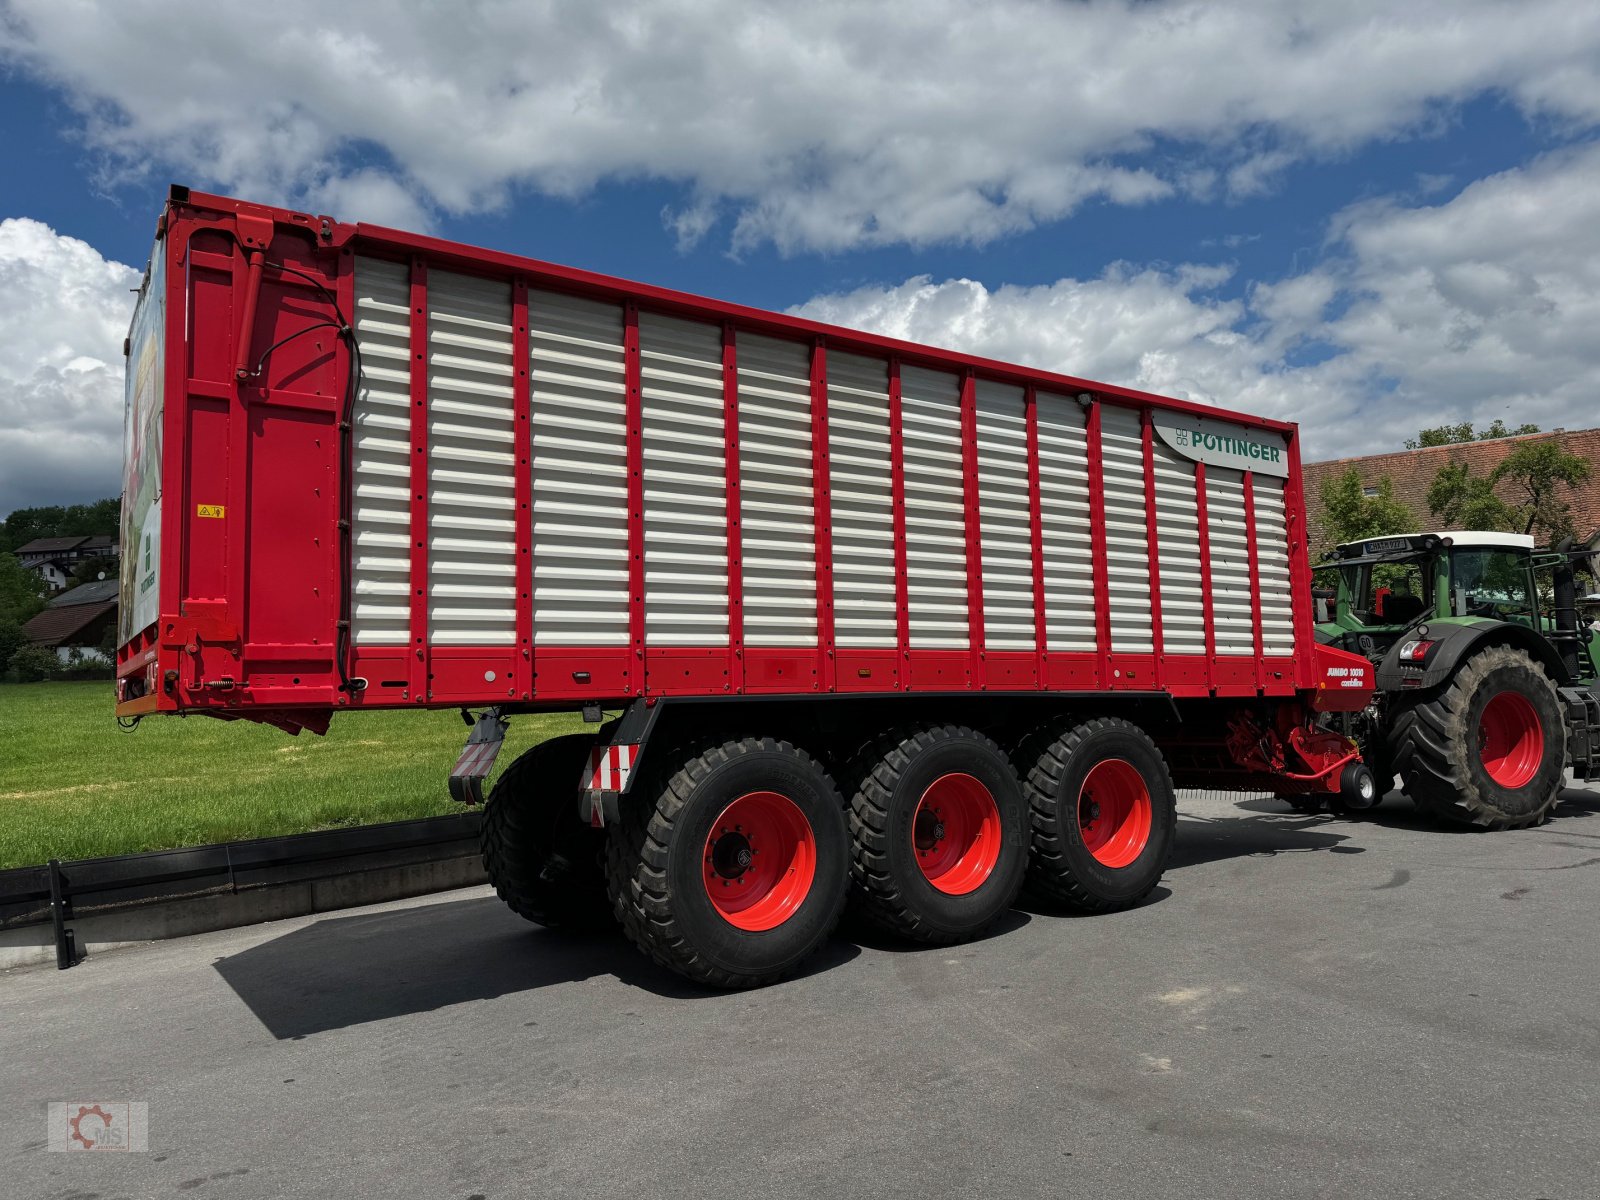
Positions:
(847, 614)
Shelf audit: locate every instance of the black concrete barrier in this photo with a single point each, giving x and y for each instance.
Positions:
(58, 893)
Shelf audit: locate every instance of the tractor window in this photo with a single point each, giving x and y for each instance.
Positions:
(1388, 593)
(1488, 583)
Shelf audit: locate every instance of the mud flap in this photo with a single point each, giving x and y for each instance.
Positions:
(477, 758)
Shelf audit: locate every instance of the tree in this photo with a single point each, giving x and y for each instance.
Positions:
(1534, 475)
(1349, 515)
(21, 591)
(1538, 473)
(1450, 435)
(56, 520)
(1462, 500)
(90, 569)
(21, 596)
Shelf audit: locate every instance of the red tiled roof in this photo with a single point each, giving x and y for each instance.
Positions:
(1412, 471)
(68, 625)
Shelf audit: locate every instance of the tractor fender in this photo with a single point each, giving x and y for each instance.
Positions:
(1451, 645)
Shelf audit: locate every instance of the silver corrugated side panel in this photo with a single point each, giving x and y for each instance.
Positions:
(1272, 566)
(380, 569)
(1064, 512)
(862, 496)
(1127, 534)
(936, 552)
(472, 453)
(1232, 610)
(1004, 517)
(1183, 618)
(685, 483)
(778, 548)
(580, 471)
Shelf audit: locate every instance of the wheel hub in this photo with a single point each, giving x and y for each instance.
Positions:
(929, 831)
(731, 854)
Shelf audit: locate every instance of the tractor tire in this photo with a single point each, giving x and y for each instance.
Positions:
(1107, 852)
(686, 872)
(543, 861)
(939, 834)
(1489, 749)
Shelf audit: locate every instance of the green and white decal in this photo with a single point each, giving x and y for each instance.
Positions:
(1224, 444)
(141, 454)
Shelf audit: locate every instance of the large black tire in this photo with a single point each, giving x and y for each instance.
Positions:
(543, 861)
(1439, 747)
(936, 858)
(1062, 868)
(663, 861)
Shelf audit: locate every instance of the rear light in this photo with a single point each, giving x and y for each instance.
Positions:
(1415, 651)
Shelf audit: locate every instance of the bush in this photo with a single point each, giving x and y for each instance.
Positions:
(33, 664)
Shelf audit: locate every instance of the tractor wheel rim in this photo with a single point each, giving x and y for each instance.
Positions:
(1114, 812)
(1510, 739)
(760, 861)
(955, 834)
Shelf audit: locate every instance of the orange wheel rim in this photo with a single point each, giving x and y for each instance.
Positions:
(1114, 812)
(1510, 739)
(955, 833)
(760, 861)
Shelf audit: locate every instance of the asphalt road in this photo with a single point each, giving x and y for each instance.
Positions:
(1309, 1007)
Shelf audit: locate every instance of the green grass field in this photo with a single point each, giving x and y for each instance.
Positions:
(72, 785)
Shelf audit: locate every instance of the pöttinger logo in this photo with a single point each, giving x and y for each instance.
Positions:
(119, 1125)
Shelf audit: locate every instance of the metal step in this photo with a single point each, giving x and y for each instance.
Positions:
(1583, 731)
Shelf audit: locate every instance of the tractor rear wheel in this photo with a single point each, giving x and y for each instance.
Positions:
(542, 860)
(1489, 749)
(729, 866)
(1104, 815)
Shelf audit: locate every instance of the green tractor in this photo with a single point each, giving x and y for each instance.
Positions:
(1486, 671)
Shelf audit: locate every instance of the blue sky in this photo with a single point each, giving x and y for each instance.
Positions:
(1366, 219)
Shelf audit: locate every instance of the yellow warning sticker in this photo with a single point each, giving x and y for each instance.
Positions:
(209, 510)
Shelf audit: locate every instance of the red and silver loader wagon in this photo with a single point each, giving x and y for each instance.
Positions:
(850, 617)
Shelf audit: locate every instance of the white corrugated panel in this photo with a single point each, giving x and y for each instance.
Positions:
(580, 471)
(863, 502)
(1065, 523)
(1183, 614)
(1272, 566)
(685, 483)
(1005, 518)
(778, 548)
(1232, 611)
(472, 454)
(936, 551)
(380, 570)
(1127, 534)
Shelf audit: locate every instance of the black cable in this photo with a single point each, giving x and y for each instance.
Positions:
(283, 341)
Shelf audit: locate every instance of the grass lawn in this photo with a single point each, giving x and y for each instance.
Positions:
(72, 785)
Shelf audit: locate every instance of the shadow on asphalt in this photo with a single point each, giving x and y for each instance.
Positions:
(344, 971)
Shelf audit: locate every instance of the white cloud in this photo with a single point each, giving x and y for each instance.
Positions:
(64, 311)
(1481, 307)
(821, 126)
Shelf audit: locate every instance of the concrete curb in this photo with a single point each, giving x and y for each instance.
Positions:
(128, 899)
(31, 945)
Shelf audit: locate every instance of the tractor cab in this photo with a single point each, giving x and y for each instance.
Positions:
(1385, 587)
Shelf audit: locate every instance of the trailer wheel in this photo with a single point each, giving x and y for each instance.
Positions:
(729, 867)
(1488, 750)
(939, 830)
(1104, 816)
(543, 861)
